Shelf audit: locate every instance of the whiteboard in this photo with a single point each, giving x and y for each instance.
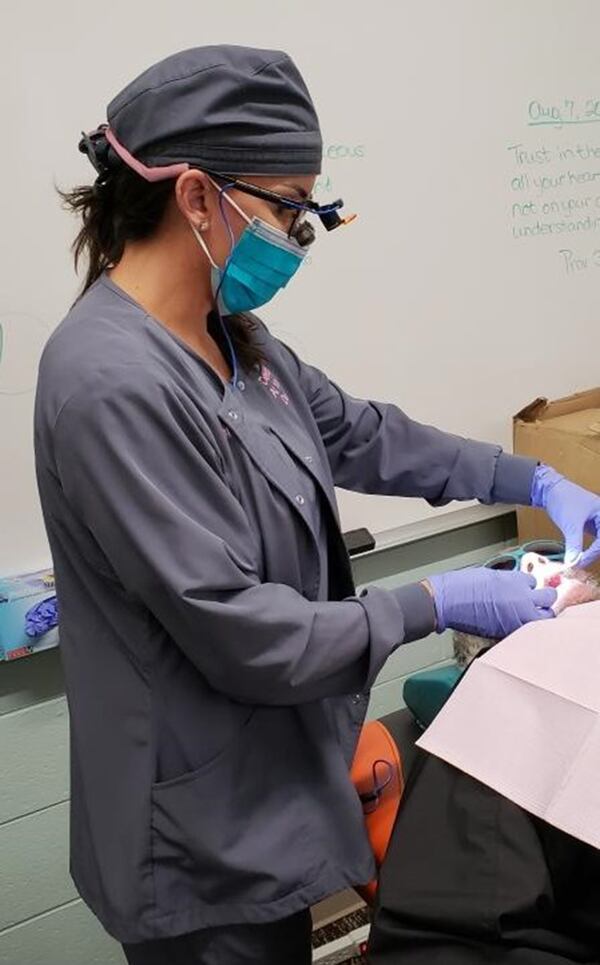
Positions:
(465, 133)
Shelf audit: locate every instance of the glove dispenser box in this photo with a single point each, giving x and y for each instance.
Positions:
(28, 614)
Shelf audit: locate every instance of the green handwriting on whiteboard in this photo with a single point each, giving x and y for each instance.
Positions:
(575, 262)
(340, 152)
(585, 111)
(323, 185)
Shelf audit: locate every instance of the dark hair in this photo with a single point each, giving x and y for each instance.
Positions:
(125, 207)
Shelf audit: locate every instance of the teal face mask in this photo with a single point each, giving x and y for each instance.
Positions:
(259, 265)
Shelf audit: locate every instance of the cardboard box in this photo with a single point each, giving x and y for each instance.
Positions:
(19, 598)
(565, 434)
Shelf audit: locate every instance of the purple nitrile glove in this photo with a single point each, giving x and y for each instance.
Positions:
(41, 617)
(489, 603)
(572, 508)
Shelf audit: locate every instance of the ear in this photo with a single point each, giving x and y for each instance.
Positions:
(193, 196)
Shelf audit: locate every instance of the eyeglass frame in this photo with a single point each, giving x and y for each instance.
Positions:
(322, 211)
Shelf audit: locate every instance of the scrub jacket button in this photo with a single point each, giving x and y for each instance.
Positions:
(300, 500)
(233, 414)
(241, 385)
(308, 458)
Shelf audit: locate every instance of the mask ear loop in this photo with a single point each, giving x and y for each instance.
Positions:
(233, 356)
(224, 329)
(233, 204)
(204, 246)
(221, 190)
(227, 225)
(222, 195)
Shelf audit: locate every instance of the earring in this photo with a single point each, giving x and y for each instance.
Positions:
(203, 226)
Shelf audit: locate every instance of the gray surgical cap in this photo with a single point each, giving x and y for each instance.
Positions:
(236, 110)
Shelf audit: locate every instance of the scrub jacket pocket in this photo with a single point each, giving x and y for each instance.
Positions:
(202, 822)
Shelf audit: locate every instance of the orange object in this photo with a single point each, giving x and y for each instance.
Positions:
(378, 777)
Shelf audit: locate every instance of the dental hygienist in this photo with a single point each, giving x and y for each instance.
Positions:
(218, 662)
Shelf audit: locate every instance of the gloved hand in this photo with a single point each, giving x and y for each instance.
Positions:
(489, 603)
(572, 508)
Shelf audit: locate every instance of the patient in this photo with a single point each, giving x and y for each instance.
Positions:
(573, 586)
(471, 877)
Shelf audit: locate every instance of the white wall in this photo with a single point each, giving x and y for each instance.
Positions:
(428, 300)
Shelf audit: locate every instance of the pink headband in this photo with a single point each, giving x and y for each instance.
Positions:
(150, 174)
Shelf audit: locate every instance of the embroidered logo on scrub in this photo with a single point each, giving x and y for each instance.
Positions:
(273, 384)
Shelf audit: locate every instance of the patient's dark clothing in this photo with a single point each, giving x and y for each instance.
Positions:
(471, 878)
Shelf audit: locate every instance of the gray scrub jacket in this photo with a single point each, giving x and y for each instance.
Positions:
(217, 659)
